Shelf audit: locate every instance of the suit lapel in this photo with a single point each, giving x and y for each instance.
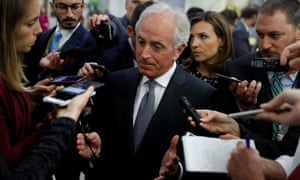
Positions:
(76, 40)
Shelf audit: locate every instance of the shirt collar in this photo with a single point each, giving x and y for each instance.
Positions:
(67, 32)
(164, 79)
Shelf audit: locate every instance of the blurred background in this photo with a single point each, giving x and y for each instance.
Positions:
(117, 7)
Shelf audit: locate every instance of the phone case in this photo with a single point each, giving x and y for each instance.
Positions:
(67, 80)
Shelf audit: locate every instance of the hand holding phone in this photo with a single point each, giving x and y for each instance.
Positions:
(64, 95)
(234, 79)
(101, 68)
(104, 29)
(189, 109)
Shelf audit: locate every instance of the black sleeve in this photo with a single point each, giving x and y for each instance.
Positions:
(42, 161)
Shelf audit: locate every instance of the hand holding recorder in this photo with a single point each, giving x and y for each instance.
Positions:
(93, 71)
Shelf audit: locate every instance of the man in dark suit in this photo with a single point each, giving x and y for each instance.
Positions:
(276, 29)
(74, 35)
(240, 34)
(159, 43)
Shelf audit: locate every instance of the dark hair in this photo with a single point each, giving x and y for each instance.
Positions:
(249, 11)
(229, 15)
(138, 11)
(297, 18)
(222, 30)
(288, 7)
(194, 11)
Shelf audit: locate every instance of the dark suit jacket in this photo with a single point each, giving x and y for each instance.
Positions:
(261, 131)
(118, 159)
(118, 57)
(240, 37)
(81, 38)
(119, 29)
(124, 21)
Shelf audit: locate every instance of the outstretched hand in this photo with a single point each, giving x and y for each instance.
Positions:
(169, 168)
(88, 145)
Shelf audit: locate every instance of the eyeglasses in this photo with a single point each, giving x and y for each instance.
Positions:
(63, 8)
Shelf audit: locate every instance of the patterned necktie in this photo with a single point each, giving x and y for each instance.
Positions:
(144, 115)
(276, 88)
(55, 41)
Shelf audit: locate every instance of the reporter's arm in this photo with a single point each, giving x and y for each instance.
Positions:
(41, 162)
(272, 169)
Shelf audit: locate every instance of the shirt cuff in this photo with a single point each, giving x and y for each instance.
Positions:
(180, 171)
(286, 162)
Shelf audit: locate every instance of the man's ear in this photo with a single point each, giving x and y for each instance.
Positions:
(179, 50)
(130, 31)
(298, 32)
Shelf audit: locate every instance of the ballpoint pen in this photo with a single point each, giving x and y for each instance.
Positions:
(256, 111)
(247, 139)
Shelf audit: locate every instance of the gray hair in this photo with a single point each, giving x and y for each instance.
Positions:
(182, 25)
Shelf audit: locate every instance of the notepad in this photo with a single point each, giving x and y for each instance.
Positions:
(206, 154)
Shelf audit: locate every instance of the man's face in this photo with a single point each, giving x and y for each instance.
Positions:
(155, 52)
(68, 12)
(274, 33)
(130, 6)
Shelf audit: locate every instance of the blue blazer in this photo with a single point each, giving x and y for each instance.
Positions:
(118, 57)
(116, 126)
(240, 37)
(81, 38)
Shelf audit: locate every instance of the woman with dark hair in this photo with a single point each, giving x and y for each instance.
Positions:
(210, 46)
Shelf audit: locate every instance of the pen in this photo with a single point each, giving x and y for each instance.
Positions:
(247, 139)
(245, 113)
(256, 111)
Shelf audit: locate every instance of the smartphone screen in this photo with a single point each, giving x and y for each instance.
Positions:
(68, 92)
(64, 96)
(67, 80)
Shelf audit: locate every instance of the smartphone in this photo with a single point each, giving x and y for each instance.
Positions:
(103, 29)
(189, 109)
(101, 68)
(64, 95)
(234, 79)
(67, 80)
